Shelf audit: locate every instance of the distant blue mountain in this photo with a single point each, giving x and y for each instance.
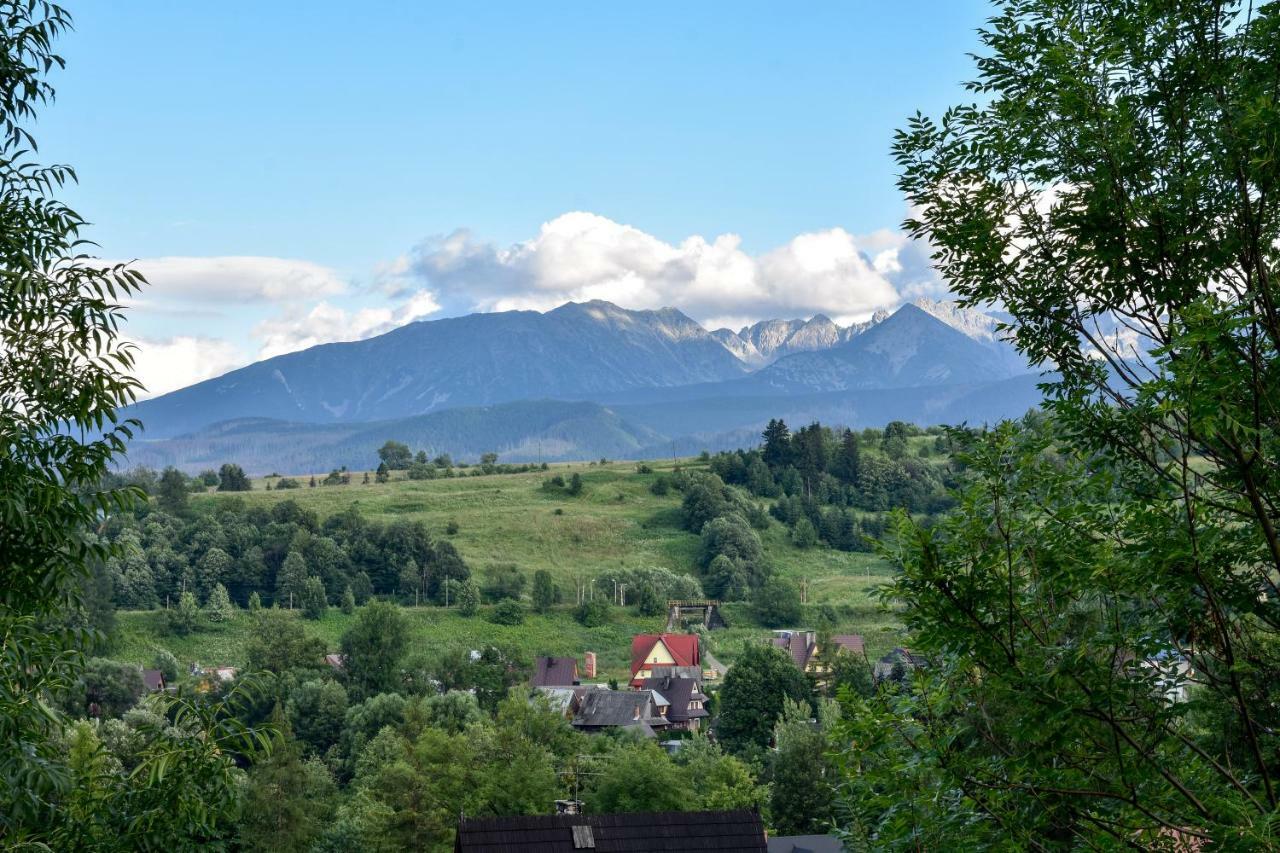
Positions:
(575, 352)
(584, 381)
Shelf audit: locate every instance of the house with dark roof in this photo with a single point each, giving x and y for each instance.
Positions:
(153, 680)
(738, 830)
(600, 709)
(555, 672)
(687, 701)
(803, 647)
(897, 665)
(650, 650)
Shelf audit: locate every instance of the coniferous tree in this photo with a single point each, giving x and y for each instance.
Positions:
(172, 491)
(231, 478)
(218, 608)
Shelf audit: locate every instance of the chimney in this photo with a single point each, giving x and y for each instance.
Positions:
(590, 665)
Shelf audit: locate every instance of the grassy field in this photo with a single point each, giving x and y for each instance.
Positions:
(510, 518)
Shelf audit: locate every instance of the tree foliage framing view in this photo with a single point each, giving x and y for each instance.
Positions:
(1102, 608)
(64, 372)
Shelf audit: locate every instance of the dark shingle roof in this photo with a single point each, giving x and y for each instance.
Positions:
(555, 672)
(617, 708)
(605, 833)
(153, 679)
(799, 645)
(850, 643)
(679, 692)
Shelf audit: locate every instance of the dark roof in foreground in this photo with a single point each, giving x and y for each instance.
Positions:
(656, 831)
(805, 844)
(555, 672)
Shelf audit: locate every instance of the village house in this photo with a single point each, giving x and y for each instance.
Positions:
(740, 830)
(651, 650)
(555, 672)
(642, 710)
(804, 649)
(897, 665)
(153, 680)
(687, 701)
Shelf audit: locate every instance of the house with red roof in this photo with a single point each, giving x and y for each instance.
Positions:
(651, 650)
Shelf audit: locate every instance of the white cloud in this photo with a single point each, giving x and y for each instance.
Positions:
(297, 329)
(577, 256)
(234, 279)
(580, 256)
(166, 365)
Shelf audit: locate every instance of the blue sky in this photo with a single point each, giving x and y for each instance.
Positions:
(287, 158)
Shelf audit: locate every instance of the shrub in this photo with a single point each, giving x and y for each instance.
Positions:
(219, 607)
(508, 612)
(776, 604)
(184, 618)
(314, 603)
(468, 598)
(648, 602)
(592, 613)
(804, 535)
(451, 528)
(167, 664)
(503, 580)
(288, 483)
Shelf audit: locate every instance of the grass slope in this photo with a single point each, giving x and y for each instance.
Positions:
(616, 521)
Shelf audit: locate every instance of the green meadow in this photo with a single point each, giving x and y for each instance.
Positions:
(510, 518)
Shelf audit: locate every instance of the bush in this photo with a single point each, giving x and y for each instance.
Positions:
(593, 613)
(776, 604)
(575, 484)
(804, 535)
(508, 612)
(661, 485)
(185, 617)
(468, 598)
(451, 528)
(288, 483)
(545, 593)
(219, 607)
(167, 664)
(648, 602)
(314, 603)
(502, 581)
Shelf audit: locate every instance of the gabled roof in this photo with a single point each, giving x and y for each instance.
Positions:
(799, 644)
(153, 679)
(851, 643)
(620, 708)
(607, 833)
(683, 647)
(555, 672)
(680, 692)
(667, 670)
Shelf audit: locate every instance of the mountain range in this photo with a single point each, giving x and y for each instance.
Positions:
(582, 381)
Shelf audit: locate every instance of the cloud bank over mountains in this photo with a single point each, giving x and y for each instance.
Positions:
(203, 316)
(583, 256)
